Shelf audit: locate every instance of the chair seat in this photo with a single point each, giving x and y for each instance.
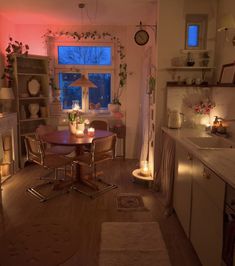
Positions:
(62, 150)
(56, 161)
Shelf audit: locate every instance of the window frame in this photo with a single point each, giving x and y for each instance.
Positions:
(85, 98)
(201, 21)
(85, 69)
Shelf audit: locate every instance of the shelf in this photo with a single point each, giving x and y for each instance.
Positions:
(176, 84)
(33, 98)
(190, 68)
(32, 74)
(33, 119)
(193, 51)
(27, 134)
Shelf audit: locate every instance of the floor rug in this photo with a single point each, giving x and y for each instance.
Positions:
(37, 243)
(132, 244)
(130, 202)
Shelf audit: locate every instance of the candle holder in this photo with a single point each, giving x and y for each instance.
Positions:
(144, 170)
(79, 133)
(91, 132)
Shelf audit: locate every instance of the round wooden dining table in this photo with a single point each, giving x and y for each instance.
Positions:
(65, 138)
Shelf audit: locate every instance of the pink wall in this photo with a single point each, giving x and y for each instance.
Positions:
(7, 29)
(32, 35)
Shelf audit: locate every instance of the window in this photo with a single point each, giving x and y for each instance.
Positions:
(85, 55)
(196, 32)
(193, 35)
(93, 61)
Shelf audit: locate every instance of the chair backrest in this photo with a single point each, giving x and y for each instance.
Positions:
(103, 146)
(34, 149)
(99, 125)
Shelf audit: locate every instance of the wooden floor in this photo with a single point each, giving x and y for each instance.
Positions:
(86, 215)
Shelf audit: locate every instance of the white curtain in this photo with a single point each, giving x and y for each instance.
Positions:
(165, 176)
(145, 104)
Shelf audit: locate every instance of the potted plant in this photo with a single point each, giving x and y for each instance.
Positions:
(13, 48)
(114, 106)
(76, 121)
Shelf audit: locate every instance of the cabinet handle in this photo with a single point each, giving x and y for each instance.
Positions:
(206, 175)
(232, 203)
(189, 157)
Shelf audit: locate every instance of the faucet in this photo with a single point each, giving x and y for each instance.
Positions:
(215, 125)
(218, 126)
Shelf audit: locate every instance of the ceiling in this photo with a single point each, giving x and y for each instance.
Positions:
(67, 12)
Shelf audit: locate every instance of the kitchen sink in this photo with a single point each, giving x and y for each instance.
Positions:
(211, 143)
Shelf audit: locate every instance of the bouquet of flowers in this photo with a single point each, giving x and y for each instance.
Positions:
(75, 116)
(203, 107)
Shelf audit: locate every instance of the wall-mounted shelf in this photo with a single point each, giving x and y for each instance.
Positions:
(185, 51)
(177, 84)
(189, 68)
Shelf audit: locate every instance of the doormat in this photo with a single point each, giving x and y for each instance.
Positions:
(130, 202)
(132, 244)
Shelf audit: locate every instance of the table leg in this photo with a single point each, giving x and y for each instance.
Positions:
(85, 179)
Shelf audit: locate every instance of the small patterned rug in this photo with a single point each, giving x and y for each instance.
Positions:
(130, 202)
(132, 244)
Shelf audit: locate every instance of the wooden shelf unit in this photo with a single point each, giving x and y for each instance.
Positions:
(27, 68)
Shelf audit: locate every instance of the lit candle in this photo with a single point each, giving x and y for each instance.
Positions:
(75, 106)
(91, 132)
(79, 133)
(144, 170)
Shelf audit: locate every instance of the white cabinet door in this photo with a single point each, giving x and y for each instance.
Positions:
(206, 232)
(183, 187)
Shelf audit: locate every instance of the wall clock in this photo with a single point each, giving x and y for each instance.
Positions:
(141, 37)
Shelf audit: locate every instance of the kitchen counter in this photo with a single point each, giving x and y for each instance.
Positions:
(220, 161)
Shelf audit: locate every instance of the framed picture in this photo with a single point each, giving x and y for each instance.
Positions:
(227, 75)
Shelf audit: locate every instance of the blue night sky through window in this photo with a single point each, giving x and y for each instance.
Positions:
(101, 94)
(85, 55)
(193, 35)
(69, 94)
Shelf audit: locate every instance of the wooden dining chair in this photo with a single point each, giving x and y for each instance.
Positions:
(102, 149)
(36, 153)
(52, 149)
(99, 125)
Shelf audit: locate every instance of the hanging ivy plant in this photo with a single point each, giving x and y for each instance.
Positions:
(13, 48)
(94, 35)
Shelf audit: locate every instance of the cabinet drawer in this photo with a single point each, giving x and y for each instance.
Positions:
(212, 185)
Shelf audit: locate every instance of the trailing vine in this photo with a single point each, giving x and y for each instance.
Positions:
(94, 35)
(13, 48)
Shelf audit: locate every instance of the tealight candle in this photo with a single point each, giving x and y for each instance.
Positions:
(144, 170)
(91, 132)
(79, 133)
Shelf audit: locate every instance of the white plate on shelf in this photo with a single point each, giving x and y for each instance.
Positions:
(33, 87)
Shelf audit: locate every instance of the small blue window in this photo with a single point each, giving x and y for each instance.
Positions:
(69, 94)
(193, 35)
(85, 55)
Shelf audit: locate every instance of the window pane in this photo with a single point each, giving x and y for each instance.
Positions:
(101, 94)
(85, 55)
(69, 94)
(193, 35)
